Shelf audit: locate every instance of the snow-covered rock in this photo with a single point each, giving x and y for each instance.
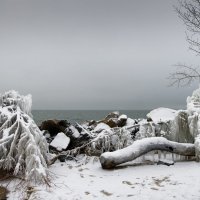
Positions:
(130, 122)
(60, 142)
(123, 117)
(101, 126)
(162, 115)
(74, 131)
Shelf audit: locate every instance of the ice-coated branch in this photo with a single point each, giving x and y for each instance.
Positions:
(140, 147)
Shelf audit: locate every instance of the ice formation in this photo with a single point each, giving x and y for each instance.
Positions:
(23, 147)
(180, 126)
(110, 140)
(193, 109)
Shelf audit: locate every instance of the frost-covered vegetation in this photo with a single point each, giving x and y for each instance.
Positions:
(23, 148)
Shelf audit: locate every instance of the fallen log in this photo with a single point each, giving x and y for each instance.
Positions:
(140, 147)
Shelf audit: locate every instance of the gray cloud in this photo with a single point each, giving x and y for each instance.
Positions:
(92, 54)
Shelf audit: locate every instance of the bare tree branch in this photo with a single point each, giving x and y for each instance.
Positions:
(184, 75)
(189, 12)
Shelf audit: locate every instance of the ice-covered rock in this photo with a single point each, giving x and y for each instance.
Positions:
(122, 117)
(101, 126)
(122, 120)
(60, 142)
(74, 132)
(162, 115)
(130, 122)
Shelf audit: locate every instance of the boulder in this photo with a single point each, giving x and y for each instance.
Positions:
(60, 142)
(54, 126)
(114, 120)
(122, 120)
(100, 127)
(112, 115)
(111, 119)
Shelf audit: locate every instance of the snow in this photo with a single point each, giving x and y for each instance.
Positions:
(142, 180)
(101, 126)
(60, 142)
(75, 132)
(130, 122)
(123, 117)
(162, 114)
(13, 97)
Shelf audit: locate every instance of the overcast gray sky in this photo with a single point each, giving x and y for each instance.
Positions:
(93, 54)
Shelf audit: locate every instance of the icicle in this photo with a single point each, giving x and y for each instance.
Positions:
(159, 155)
(173, 157)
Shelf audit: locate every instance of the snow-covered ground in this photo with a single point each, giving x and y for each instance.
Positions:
(143, 180)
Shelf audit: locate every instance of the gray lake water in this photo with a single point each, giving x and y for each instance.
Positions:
(82, 115)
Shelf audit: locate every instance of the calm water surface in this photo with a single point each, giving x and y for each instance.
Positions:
(82, 115)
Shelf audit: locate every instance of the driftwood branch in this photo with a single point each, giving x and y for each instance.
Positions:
(140, 147)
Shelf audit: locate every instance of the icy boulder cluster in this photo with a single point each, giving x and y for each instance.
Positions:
(113, 132)
(180, 126)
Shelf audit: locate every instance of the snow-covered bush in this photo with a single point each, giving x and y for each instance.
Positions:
(23, 147)
(110, 140)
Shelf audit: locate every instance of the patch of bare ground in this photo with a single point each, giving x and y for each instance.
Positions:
(106, 193)
(3, 193)
(4, 174)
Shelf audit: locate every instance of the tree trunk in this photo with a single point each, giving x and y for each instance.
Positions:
(140, 147)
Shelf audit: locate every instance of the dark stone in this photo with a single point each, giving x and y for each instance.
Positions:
(92, 122)
(111, 119)
(112, 115)
(149, 119)
(121, 122)
(63, 158)
(113, 122)
(165, 162)
(77, 142)
(54, 126)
